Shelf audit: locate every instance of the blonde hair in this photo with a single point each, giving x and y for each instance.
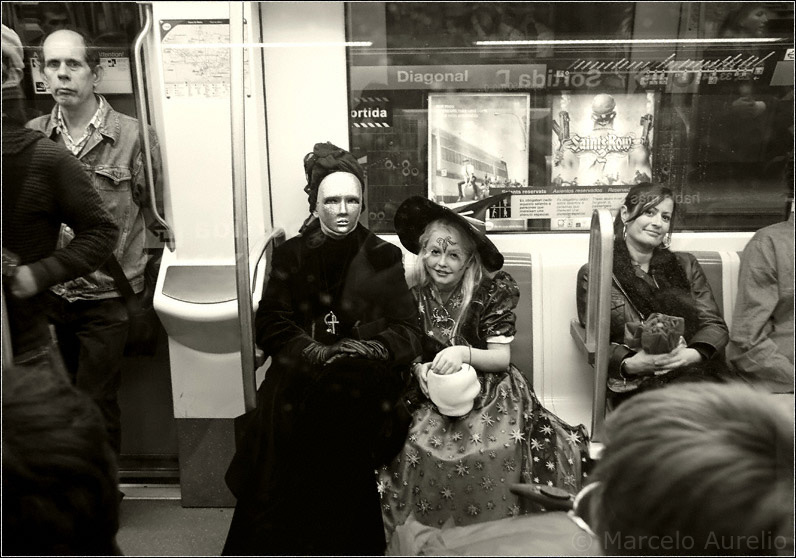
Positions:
(472, 275)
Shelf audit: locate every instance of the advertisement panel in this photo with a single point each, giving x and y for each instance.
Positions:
(478, 148)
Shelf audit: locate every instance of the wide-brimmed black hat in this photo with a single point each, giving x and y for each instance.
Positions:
(417, 212)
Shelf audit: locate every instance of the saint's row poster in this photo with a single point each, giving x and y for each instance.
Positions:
(602, 140)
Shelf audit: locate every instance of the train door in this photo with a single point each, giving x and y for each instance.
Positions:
(149, 450)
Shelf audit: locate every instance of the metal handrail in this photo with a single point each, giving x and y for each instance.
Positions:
(8, 351)
(239, 205)
(263, 249)
(138, 91)
(598, 311)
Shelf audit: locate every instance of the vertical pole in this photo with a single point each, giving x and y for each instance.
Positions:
(598, 315)
(240, 217)
(145, 11)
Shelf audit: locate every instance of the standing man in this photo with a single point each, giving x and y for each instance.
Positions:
(89, 313)
(53, 16)
(469, 179)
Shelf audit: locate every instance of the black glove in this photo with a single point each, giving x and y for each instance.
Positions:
(371, 350)
(318, 353)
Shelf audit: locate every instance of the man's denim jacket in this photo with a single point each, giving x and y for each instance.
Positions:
(113, 158)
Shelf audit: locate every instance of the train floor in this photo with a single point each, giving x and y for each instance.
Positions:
(152, 522)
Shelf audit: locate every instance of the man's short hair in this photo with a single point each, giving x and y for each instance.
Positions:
(57, 8)
(60, 491)
(92, 51)
(696, 469)
(46, 11)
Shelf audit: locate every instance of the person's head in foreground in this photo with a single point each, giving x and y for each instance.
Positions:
(695, 470)
(60, 494)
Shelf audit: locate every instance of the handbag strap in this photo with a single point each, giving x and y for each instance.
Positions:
(629, 300)
(114, 269)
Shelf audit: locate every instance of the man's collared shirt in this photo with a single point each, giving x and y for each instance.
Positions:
(76, 146)
(112, 156)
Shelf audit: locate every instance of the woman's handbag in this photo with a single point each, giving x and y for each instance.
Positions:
(658, 334)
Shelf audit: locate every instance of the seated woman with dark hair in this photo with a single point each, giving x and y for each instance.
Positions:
(649, 279)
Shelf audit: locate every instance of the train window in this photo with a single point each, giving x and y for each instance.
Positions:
(112, 27)
(558, 108)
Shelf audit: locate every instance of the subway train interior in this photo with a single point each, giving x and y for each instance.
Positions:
(546, 112)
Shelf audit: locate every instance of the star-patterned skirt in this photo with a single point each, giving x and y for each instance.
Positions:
(461, 468)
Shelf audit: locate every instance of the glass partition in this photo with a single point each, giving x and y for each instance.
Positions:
(112, 26)
(557, 109)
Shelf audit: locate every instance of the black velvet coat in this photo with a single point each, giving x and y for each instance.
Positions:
(359, 278)
(304, 469)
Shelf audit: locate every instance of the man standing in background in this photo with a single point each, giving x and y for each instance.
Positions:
(90, 313)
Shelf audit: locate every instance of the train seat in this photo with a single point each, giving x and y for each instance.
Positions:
(197, 304)
(518, 265)
(207, 296)
(721, 270)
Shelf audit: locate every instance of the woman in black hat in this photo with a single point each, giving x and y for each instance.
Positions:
(339, 323)
(460, 467)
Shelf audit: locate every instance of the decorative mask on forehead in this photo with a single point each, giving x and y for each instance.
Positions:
(446, 241)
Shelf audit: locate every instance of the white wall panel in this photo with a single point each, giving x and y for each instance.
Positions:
(306, 95)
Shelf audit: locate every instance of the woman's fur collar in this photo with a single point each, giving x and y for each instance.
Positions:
(673, 297)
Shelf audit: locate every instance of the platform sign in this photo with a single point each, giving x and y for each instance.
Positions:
(116, 73)
(371, 111)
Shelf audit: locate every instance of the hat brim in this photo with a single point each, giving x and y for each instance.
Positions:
(415, 213)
